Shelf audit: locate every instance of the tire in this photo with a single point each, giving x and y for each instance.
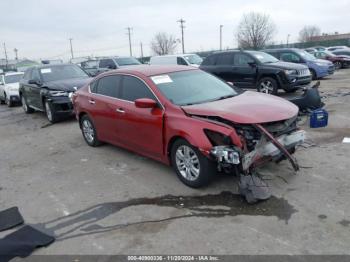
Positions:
(2, 101)
(267, 85)
(8, 102)
(26, 108)
(196, 162)
(89, 131)
(50, 112)
(313, 74)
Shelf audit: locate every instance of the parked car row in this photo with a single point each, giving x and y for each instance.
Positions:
(179, 115)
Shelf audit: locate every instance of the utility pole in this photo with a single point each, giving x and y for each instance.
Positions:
(221, 26)
(181, 21)
(71, 47)
(288, 40)
(129, 34)
(7, 61)
(16, 53)
(141, 52)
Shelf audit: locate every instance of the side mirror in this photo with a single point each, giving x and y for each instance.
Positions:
(230, 83)
(145, 103)
(34, 82)
(252, 64)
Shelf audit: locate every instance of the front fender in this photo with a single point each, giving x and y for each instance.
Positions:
(192, 129)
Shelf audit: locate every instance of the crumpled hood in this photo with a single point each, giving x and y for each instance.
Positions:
(68, 84)
(246, 108)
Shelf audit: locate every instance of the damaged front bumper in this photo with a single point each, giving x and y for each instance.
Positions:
(267, 148)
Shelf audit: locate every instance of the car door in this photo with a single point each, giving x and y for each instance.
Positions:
(225, 68)
(245, 70)
(34, 98)
(141, 129)
(101, 105)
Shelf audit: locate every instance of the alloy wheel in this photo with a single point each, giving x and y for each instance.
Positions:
(88, 131)
(24, 104)
(48, 111)
(266, 87)
(187, 163)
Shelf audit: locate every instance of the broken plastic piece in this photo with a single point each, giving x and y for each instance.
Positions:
(253, 188)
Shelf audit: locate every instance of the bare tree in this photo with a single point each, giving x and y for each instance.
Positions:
(163, 44)
(255, 30)
(308, 32)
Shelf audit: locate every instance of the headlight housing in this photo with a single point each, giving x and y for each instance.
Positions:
(225, 154)
(291, 72)
(216, 138)
(58, 93)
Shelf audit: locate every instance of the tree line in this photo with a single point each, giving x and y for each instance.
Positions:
(254, 31)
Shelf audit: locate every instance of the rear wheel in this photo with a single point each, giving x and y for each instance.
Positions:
(191, 166)
(89, 132)
(267, 85)
(50, 112)
(26, 108)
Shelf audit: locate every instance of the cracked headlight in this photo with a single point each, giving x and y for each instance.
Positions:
(225, 154)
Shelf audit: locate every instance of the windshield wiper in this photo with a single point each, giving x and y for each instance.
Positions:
(224, 97)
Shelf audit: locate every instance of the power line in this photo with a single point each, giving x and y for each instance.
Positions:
(71, 47)
(181, 21)
(129, 33)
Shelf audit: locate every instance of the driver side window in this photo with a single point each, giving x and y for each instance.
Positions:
(35, 74)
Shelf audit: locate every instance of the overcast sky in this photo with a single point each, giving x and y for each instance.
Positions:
(41, 28)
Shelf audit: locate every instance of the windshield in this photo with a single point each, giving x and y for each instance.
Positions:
(193, 59)
(192, 87)
(264, 58)
(9, 79)
(306, 55)
(124, 61)
(62, 72)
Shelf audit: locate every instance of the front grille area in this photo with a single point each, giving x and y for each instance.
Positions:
(304, 72)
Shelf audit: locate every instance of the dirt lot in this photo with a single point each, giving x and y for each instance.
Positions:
(109, 201)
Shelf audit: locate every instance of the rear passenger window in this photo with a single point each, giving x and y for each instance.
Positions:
(242, 60)
(108, 86)
(134, 88)
(181, 61)
(224, 59)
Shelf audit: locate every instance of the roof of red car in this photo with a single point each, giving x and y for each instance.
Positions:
(151, 70)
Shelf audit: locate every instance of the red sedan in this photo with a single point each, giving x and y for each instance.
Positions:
(191, 120)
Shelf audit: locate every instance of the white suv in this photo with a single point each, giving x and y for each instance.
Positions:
(9, 85)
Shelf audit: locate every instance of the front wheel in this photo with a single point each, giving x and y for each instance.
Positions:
(26, 108)
(50, 112)
(191, 166)
(268, 85)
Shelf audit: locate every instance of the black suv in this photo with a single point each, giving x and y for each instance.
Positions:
(254, 69)
(49, 88)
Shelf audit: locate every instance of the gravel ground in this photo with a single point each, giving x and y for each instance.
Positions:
(107, 200)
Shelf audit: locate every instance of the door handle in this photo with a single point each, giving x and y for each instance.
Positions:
(120, 110)
(92, 102)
